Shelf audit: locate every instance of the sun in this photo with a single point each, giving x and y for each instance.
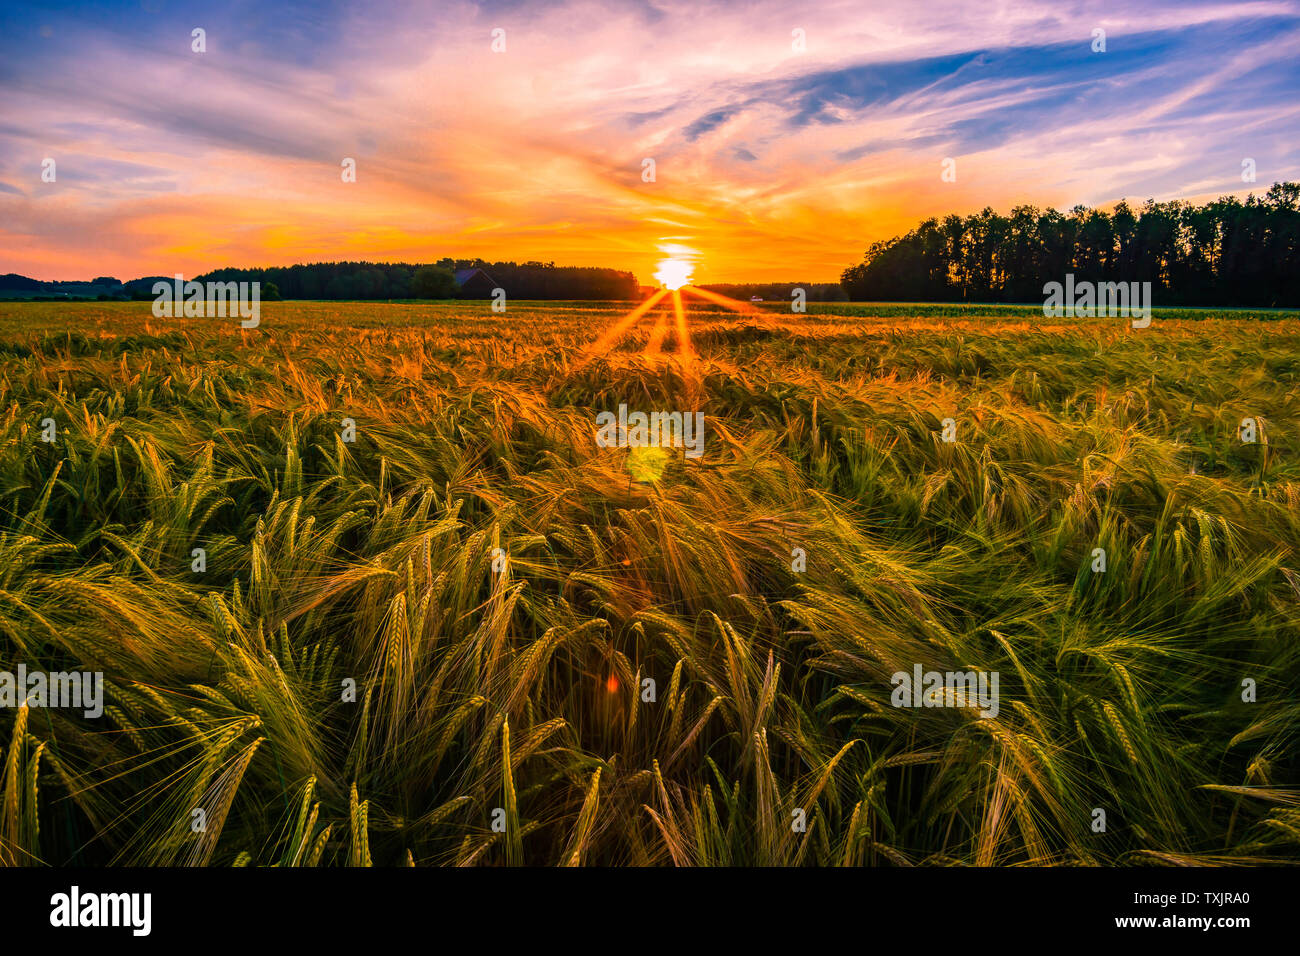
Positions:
(674, 273)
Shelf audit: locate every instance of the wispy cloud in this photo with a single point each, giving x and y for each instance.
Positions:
(771, 160)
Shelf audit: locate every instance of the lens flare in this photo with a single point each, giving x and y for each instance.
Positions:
(674, 273)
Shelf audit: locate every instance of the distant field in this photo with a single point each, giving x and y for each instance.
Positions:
(501, 715)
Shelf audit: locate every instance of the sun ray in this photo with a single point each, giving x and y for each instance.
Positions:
(727, 303)
(616, 332)
(683, 336)
(685, 353)
(655, 347)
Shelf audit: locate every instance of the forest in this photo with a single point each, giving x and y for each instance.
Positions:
(384, 280)
(1223, 253)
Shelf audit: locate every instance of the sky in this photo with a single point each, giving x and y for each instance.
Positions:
(785, 137)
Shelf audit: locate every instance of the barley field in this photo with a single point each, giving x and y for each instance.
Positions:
(472, 636)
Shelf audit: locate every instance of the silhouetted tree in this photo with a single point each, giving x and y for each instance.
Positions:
(433, 282)
(1222, 253)
(382, 280)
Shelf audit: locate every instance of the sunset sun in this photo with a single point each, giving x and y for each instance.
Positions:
(673, 273)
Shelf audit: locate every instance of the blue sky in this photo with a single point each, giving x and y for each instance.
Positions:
(774, 158)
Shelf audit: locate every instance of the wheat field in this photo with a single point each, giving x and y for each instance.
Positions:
(472, 636)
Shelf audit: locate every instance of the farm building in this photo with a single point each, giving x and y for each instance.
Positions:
(474, 284)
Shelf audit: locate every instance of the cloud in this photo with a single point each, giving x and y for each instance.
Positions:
(175, 161)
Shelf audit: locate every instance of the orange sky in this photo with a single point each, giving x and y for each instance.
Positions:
(775, 162)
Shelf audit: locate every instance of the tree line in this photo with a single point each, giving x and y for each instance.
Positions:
(780, 291)
(382, 280)
(1222, 253)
